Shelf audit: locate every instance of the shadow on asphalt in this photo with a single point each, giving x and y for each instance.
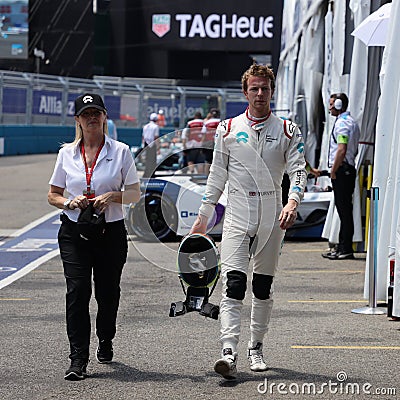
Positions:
(125, 373)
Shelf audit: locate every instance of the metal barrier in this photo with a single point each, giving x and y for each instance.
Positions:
(36, 99)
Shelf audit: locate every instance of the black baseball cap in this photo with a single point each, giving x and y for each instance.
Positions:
(89, 100)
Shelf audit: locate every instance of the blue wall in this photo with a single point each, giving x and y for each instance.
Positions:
(39, 139)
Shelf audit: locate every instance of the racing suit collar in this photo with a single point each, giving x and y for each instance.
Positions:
(256, 123)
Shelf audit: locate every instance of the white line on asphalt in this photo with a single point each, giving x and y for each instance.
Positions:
(35, 223)
(28, 268)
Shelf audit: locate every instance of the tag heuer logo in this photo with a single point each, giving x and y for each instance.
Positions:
(161, 24)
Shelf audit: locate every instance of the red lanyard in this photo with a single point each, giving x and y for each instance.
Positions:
(89, 173)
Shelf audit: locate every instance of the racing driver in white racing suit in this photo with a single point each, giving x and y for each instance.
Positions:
(252, 151)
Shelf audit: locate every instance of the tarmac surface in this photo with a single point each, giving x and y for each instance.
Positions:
(316, 347)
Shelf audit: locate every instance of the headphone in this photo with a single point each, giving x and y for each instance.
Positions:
(338, 104)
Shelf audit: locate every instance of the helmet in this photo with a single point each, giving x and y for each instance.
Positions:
(153, 117)
(198, 260)
(161, 112)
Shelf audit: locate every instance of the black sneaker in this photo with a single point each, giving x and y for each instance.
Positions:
(345, 256)
(77, 370)
(341, 256)
(104, 353)
(329, 254)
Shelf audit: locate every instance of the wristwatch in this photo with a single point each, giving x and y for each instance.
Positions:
(66, 204)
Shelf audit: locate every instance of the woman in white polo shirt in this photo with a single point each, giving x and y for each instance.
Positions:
(99, 170)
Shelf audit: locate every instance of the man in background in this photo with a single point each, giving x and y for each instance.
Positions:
(150, 134)
(343, 147)
(112, 129)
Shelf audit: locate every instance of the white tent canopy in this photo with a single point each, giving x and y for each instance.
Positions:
(387, 163)
(311, 68)
(299, 80)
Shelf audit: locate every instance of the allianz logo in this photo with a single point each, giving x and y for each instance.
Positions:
(50, 105)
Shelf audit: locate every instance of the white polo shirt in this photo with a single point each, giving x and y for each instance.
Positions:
(151, 132)
(114, 168)
(345, 131)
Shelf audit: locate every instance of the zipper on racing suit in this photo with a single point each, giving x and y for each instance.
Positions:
(258, 171)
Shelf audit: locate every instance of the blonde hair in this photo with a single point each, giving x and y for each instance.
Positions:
(79, 133)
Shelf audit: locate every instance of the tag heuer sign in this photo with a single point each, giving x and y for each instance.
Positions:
(161, 24)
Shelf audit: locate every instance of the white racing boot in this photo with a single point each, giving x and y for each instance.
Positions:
(226, 366)
(256, 359)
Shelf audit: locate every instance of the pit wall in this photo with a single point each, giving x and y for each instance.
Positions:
(41, 139)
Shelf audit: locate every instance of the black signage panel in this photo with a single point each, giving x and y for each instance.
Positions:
(209, 25)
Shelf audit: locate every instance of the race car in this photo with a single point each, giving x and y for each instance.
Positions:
(169, 205)
(311, 215)
(170, 201)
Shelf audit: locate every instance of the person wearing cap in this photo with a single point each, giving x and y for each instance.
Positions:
(161, 119)
(150, 134)
(98, 170)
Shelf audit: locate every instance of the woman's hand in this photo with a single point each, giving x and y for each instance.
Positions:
(80, 201)
(102, 202)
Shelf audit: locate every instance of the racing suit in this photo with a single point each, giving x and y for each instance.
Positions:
(250, 156)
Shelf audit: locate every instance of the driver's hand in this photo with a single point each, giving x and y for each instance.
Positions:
(199, 225)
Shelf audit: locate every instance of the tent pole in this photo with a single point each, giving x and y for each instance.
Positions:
(372, 308)
(368, 206)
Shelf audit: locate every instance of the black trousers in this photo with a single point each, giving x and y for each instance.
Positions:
(343, 188)
(151, 161)
(105, 259)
